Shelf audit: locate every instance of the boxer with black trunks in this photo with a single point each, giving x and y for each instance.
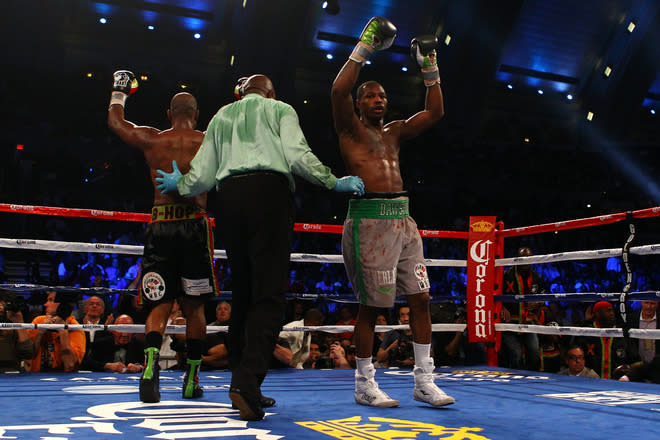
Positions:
(178, 251)
(381, 245)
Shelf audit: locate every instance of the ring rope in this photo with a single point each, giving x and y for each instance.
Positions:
(580, 223)
(146, 218)
(350, 298)
(107, 248)
(523, 328)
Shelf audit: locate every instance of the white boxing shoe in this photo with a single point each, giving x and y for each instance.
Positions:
(425, 389)
(368, 393)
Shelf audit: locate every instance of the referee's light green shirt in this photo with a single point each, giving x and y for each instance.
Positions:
(253, 134)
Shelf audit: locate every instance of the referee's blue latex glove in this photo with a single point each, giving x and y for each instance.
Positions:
(169, 180)
(351, 184)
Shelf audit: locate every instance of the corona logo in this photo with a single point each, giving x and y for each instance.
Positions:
(97, 212)
(308, 227)
(387, 429)
(479, 253)
(21, 207)
(482, 226)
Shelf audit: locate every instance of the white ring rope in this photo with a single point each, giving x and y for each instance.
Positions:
(181, 329)
(107, 248)
(522, 328)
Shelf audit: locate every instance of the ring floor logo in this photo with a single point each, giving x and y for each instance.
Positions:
(164, 420)
(476, 376)
(376, 428)
(608, 398)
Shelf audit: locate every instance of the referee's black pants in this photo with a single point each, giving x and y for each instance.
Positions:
(254, 219)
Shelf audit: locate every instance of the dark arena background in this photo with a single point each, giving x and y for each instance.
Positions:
(551, 127)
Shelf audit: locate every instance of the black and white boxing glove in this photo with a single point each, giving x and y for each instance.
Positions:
(124, 85)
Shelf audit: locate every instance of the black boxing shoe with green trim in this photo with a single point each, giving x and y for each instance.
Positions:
(191, 388)
(150, 380)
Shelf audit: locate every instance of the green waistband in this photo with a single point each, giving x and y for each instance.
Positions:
(378, 208)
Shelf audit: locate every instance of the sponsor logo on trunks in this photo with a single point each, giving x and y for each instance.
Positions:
(607, 398)
(167, 419)
(153, 286)
(386, 277)
(475, 376)
(196, 287)
(422, 276)
(172, 212)
(393, 209)
(385, 428)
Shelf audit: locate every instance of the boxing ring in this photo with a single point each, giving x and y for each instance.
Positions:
(491, 402)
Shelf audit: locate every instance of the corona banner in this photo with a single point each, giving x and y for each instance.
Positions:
(481, 279)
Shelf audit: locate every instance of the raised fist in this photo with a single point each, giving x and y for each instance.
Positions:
(125, 82)
(422, 49)
(378, 34)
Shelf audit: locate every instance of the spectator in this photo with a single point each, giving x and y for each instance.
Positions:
(647, 318)
(295, 284)
(222, 313)
(114, 274)
(314, 354)
(342, 357)
(94, 309)
(396, 350)
(122, 352)
(647, 372)
(89, 271)
(346, 318)
(448, 346)
(575, 365)
(216, 344)
(56, 349)
(603, 354)
(381, 319)
(521, 280)
(15, 345)
(325, 285)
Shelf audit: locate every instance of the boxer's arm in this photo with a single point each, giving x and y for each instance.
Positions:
(418, 123)
(132, 134)
(343, 114)
(378, 34)
(124, 85)
(423, 51)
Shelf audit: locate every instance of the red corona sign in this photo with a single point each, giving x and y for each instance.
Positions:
(481, 279)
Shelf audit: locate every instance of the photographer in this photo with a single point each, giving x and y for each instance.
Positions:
(396, 349)
(57, 349)
(15, 345)
(449, 348)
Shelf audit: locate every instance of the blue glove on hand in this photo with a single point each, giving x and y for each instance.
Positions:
(169, 180)
(350, 184)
